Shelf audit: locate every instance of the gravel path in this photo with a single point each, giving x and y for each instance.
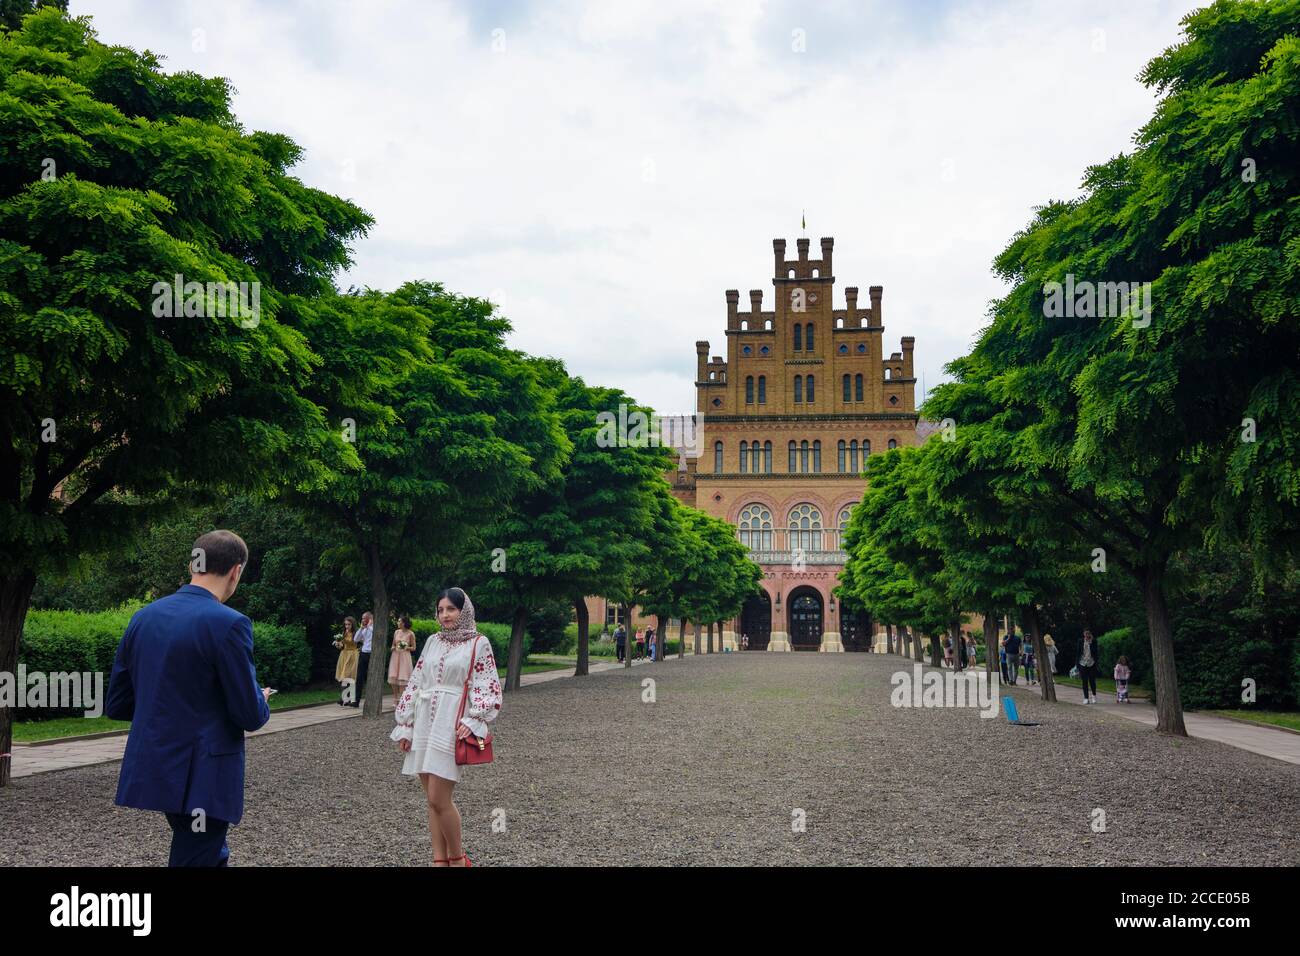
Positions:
(713, 773)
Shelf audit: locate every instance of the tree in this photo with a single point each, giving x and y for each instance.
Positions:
(591, 530)
(13, 11)
(449, 425)
(114, 179)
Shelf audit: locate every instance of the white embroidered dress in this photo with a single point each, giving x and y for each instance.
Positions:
(426, 711)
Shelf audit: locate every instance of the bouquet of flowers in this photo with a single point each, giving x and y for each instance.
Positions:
(338, 642)
(401, 645)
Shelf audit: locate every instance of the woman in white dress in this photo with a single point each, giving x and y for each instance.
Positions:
(427, 728)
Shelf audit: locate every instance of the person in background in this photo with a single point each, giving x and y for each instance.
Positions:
(1088, 661)
(1030, 662)
(1122, 674)
(947, 650)
(1051, 653)
(1013, 656)
(399, 664)
(640, 646)
(650, 642)
(744, 642)
(1002, 659)
(345, 670)
(364, 638)
(972, 650)
(620, 642)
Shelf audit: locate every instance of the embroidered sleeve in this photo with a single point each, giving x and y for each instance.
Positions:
(484, 691)
(404, 713)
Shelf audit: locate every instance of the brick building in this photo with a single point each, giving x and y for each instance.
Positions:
(804, 394)
(786, 421)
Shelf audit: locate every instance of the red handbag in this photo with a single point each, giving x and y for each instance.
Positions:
(472, 749)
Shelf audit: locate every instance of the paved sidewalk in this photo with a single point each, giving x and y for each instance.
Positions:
(29, 759)
(1277, 744)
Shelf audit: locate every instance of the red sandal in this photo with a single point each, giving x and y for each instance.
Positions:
(463, 856)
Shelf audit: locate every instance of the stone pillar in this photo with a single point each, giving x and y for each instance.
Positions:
(779, 639)
(831, 640)
(729, 641)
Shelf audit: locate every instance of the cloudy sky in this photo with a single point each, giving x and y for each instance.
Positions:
(605, 171)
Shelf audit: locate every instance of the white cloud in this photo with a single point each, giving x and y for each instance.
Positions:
(617, 166)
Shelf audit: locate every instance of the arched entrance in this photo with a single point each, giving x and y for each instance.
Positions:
(805, 619)
(756, 621)
(855, 628)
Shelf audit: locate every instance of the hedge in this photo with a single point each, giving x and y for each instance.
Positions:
(75, 641)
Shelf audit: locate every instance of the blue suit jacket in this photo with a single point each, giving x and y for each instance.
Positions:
(184, 677)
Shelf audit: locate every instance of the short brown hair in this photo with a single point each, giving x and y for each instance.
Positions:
(220, 551)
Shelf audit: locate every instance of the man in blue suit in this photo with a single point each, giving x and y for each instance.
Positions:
(184, 677)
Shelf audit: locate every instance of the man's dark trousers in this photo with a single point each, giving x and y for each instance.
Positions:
(197, 849)
(363, 668)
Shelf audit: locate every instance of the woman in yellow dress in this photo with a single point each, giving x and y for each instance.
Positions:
(349, 656)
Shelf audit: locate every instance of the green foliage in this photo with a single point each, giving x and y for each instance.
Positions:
(151, 177)
(77, 641)
(55, 641)
(498, 636)
(1129, 642)
(281, 655)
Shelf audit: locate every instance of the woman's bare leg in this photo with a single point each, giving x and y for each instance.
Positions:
(444, 812)
(435, 827)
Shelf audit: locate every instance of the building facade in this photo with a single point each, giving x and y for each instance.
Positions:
(787, 419)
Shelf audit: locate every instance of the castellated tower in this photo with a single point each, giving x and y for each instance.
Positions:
(803, 396)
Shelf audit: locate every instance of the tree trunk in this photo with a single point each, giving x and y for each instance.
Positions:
(936, 651)
(15, 597)
(918, 649)
(889, 638)
(1029, 614)
(681, 640)
(515, 655)
(696, 644)
(991, 645)
(710, 639)
(1169, 704)
(372, 703)
(661, 639)
(958, 645)
(584, 632)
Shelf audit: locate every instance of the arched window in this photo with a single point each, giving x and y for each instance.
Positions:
(767, 457)
(846, 514)
(839, 324)
(798, 336)
(798, 388)
(848, 394)
(762, 390)
(817, 457)
(756, 528)
(893, 443)
(793, 467)
(866, 450)
(843, 349)
(744, 457)
(749, 390)
(853, 456)
(717, 457)
(887, 371)
(811, 387)
(808, 338)
(803, 456)
(857, 388)
(843, 461)
(805, 528)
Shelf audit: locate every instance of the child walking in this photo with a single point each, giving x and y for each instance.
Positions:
(1122, 674)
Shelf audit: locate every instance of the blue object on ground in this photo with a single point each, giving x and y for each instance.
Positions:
(1013, 715)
